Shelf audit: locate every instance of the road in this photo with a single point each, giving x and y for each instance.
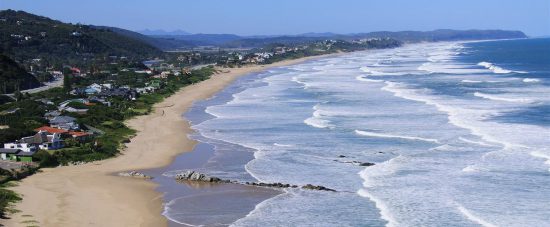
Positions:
(56, 83)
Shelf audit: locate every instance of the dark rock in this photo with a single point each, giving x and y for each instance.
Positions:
(317, 187)
(366, 164)
(196, 176)
(341, 156)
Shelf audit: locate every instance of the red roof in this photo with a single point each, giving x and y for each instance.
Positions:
(50, 130)
(78, 134)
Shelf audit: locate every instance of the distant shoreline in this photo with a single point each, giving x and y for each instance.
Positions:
(92, 194)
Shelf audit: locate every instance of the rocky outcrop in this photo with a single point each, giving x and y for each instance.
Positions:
(196, 176)
(200, 177)
(135, 174)
(271, 185)
(317, 187)
(357, 163)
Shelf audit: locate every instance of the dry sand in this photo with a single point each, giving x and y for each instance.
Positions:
(92, 194)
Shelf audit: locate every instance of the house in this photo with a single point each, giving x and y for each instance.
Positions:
(80, 136)
(93, 89)
(145, 90)
(21, 146)
(45, 101)
(43, 140)
(75, 71)
(64, 122)
(107, 86)
(8, 153)
(125, 93)
(78, 91)
(154, 84)
(100, 100)
(51, 130)
(52, 114)
(15, 155)
(75, 110)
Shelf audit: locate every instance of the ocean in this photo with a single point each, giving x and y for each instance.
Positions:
(459, 134)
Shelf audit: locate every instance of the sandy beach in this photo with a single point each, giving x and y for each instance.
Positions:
(93, 195)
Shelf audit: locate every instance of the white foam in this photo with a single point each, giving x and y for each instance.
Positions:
(457, 116)
(474, 169)
(475, 142)
(500, 98)
(378, 73)
(362, 78)
(540, 154)
(496, 69)
(531, 80)
(166, 213)
(474, 217)
(208, 110)
(316, 120)
(471, 81)
(380, 205)
(295, 79)
(381, 135)
(282, 145)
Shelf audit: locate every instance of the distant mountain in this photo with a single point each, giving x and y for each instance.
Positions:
(318, 34)
(163, 32)
(25, 36)
(167, 43)
(204, 39)
(13, 77)
(235, 41)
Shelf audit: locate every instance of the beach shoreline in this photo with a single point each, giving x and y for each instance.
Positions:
(93, 195)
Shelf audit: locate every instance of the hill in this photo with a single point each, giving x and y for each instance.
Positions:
(160, 42)
(13, 77)
(235, 41)
(25, 36)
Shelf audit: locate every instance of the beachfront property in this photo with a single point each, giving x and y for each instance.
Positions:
(76, 135)
(41, 140)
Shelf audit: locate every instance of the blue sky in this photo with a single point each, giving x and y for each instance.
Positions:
(263, 17)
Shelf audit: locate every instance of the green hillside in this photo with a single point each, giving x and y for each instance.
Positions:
(25, 36)
(13, 77)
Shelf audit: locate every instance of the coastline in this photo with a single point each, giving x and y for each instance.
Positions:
(92, 194)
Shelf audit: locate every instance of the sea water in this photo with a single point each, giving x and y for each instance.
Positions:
(459, 133)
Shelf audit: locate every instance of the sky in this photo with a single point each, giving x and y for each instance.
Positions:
(289, 17)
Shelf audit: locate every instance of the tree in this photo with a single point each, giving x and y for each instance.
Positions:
(67, 83)
(18, 96)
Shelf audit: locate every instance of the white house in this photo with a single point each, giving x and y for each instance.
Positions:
(41, 140)
(26, 147)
